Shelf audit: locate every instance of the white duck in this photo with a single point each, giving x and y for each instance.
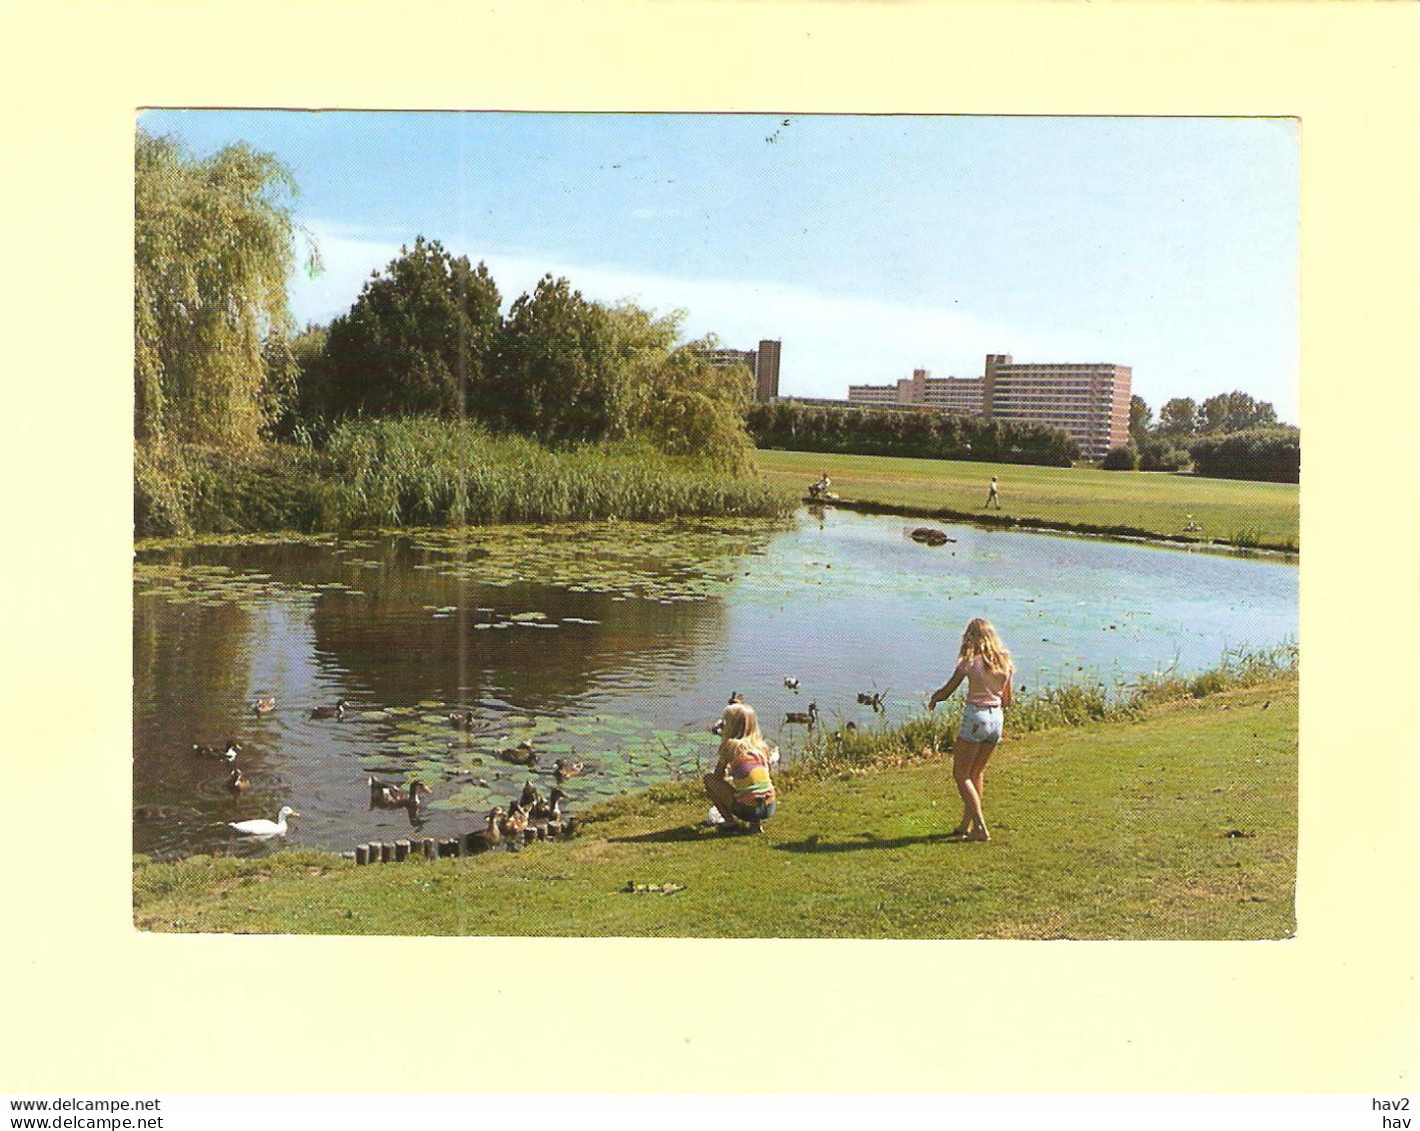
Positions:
(263, 827)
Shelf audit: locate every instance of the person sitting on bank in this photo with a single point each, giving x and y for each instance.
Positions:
(741, 787)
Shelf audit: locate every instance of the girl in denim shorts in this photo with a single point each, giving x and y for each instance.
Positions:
(986, 666)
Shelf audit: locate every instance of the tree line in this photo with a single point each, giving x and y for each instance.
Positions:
(1230, 435)
(219, 363)
(923, 434)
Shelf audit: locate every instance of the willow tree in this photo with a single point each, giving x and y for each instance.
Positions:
(214, 241)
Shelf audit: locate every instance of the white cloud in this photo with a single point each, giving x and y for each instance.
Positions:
(829, 340)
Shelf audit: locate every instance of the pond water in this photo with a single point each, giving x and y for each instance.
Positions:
(614, 645)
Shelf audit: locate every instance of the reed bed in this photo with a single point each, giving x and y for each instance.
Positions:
(419, 471)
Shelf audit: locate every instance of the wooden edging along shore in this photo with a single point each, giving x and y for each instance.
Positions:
(1051, 526)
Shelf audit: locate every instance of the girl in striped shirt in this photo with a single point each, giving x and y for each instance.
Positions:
(741, 787)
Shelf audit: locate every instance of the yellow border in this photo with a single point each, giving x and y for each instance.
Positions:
(92, 1005)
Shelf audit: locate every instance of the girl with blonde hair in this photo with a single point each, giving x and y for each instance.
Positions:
(740, 787)
(986, 666)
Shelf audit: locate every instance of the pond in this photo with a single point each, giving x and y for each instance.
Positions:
(615, 645)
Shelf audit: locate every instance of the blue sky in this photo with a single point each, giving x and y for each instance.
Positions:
(869, 245)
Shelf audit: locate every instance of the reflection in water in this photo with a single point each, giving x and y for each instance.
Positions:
(615, 645)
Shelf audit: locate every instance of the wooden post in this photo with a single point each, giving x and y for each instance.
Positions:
(401, 850)
(386, 852)
(362, 854)
(529, 834)
(431, 848)
(449, 846)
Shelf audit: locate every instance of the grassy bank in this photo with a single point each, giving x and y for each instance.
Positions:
(425, 472)
(1160, 820)
(1144, 504)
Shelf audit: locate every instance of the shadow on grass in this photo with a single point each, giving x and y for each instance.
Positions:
(864, 840)
(676, 835)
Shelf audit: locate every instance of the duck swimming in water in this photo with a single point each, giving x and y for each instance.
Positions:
(262, 827)
(808, 718)
(520, 755)
(227, 752)
(237, 783)
(264, 706)
(336, 712)
(563, 769)
(387, 795)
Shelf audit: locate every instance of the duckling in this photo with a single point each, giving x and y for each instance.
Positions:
(792, 684)
(520, 755)
(264, 706)
(735, 697)
(563, 769)
(389, 796)
(237, 783)
(262, 827)
(514, 822)
(551, 809)
(486, 838)
(227, 752)
(808, 718)
(336, 712)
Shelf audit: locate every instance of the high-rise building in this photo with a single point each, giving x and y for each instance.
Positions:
(1090, 401)
(763, 363)
(766, 370)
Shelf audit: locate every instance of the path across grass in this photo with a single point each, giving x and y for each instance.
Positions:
(1141, 502)
(1180, 826)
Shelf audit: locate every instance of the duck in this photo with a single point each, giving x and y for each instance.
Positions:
(735, 697)
(520, 755)
(791, 683)
(336, 712)
(227, 752)
(873, 699)
(484, 839)
(264, 706)
(389, 796)
(551, 809)
(807, 718)
(718, 727)
(514, 821)
(563, 769)
(263, 827)
(529, 798)
(462, 720)
(237, 783)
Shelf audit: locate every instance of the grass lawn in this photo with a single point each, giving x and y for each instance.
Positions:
(1153, 502)
(1182, 825)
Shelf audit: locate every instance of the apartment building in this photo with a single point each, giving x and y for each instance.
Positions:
(960, 395)
(763, 363)
(1090, 401)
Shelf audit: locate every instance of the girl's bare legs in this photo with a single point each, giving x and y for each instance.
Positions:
(964, 757)
(978, 776)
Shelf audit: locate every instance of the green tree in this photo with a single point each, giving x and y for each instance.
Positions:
(1140, 417)
(422, 337)
(674, 397)
(558, 376)
(1235, 412)
(214, 241)
(1178, 417)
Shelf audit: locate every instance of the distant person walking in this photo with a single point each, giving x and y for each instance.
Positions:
(740, 787)
(986, 666)
(992, 496)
